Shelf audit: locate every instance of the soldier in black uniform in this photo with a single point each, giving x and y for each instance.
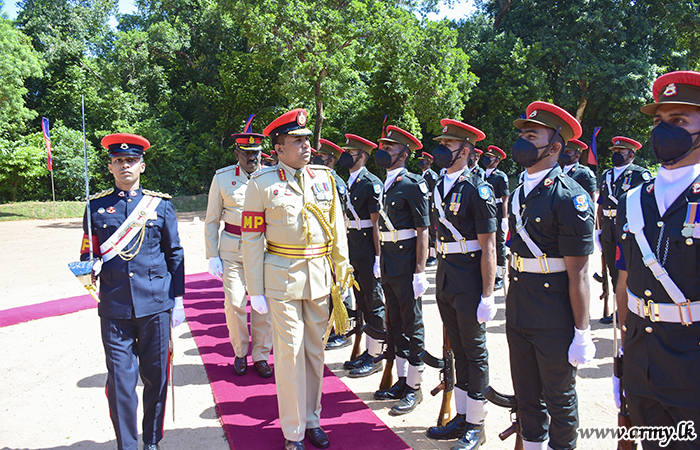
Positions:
(499, 182)
(569, 161)
(403, 234)
(660, 315)
(616, 181)
(362, 211)
(472, 163)
(465, 211)
(424, 163)
(142, 281)
(551, 225)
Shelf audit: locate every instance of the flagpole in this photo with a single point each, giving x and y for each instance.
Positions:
(53, 192)
(87, 180)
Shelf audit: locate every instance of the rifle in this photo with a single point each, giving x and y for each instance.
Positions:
(623, 415)
(389, 353)
(447, 377)
(506, 401)
(606, 290)
(357, 332)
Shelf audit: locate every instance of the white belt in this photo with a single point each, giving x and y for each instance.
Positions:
(538, 265)
(397, 235)
(610, 212)
(463, 246)
(360, 224)
(663, 312)
(499, 200)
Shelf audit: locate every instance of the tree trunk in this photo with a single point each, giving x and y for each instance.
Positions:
(505, 5)
(584, 101)
(318, 123)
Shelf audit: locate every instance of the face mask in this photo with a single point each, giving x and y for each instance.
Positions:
(619, 160)
(526, 153)
(443, 157)
(318, 161)
(347, 160)
(383, 159)
(565, 159)
(486, 161)
(671, 143)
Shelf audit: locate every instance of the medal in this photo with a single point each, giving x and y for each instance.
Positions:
(455, 202)
(691, 226)
(626, 183)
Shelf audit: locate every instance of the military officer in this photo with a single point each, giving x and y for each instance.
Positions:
(362, 211)
(547, 304)
(465, 211)
(499, 182)
(295, 254)
(424, 163)
(569, 160)
(267, 160)
(403, 233)
(658, 289)
(142, 281)
(615, 182)
(226, 197)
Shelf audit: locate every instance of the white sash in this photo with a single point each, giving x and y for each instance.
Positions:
(609, 183)
(130, 228)
(520, 226)
(441, 213)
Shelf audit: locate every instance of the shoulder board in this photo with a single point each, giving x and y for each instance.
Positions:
(317, 167)
(156, 194)
(225, 169)
(104, 193)
(263, 170)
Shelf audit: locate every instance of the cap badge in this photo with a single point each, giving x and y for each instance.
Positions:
(650, 188)
(251, 140)
(548, 182)
(444, 130)
(389, 135)
(533, 114)
(617, 142)
(347, 141)
(670, 90)
(696, 188)
(124, 146)
(301, 118)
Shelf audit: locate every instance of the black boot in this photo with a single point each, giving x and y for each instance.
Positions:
(366, 369)
(395, 392)
(473, 438)
(454, 429)
(355, 363)
(408, 402)
(498, 284)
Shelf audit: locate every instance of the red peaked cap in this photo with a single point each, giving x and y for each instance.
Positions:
(398, 136)
(454, 129)
(426, 156)
(249, 141)
(682, 87)
(292, 122)
(353, 141)
(625, 142)
(125, 144)
(577, 145)
(551, 116)
(478, 151)
(492, 149)
(329, 148)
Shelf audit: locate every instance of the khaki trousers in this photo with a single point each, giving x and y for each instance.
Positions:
(298, 339)
(237, 318)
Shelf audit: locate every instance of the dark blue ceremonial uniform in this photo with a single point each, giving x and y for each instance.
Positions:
(364, 197)
(583, 176)
(471, 208)
(499, 181)
(136, 298)
(430, 178)
(539, 318)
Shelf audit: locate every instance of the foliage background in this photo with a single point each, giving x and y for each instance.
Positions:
(187, 73)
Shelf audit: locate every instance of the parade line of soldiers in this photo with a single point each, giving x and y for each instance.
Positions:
(298, 242)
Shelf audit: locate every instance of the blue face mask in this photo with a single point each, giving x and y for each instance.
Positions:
(671, 143)
(527, 154)
(618, 159)
(383, 159)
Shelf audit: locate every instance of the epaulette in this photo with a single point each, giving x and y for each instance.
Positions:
(104, 193)
(225, 169)
(263, 170)
(317, 166)
(156, 194)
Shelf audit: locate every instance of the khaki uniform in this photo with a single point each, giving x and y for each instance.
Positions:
(226, 197)
(297, 288)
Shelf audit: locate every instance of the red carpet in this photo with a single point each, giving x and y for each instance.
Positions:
(52, 308)
(248, 405)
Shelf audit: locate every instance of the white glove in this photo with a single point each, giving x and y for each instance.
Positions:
(420, 284)
(616, 391)
(178, 312)
(258, 303)
(504, 224)
(375, 268)
(596, 238)
(97, 268)
(486, 310)
(216, 268)
(582, 348)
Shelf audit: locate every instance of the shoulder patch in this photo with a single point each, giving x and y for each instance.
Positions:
(646, 176)
(341, 190)
(156, 194)
(104, 193)
(423, 187)
(377, 188)
(225, 169)
(484, 192)
(581, 202)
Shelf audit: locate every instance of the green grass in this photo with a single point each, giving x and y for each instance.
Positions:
(65, 210)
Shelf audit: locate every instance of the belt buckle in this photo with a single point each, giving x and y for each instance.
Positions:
(652, 310)
(641, 308)
(394, 235)
(686, 305)
(463, 245)
(544, 268)
(519, 263)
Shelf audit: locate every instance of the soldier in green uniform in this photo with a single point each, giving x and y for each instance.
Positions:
(547, 304)
(658, 225)
(501, 190)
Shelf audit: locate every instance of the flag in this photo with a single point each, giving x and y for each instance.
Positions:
(47, 141)
(592, 152)
(248, 124)
(384, 125)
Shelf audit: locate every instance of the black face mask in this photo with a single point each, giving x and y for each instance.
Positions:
(565, 159)
(526, 153)
(443, 157)
(618, 159)
(383, 159)
(347, 160)
(486, 161)
(318, 161)
(671, 143)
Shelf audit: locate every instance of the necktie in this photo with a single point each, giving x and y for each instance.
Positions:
(299, 175)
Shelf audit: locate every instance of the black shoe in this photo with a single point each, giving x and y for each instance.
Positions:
(318, 437)
(263, 369)
(431, 262)
(454, 429)
(293, 445)
(240, 365)
(473, 438)
(366, 369)
(498, 284)
(360, 361)
(395, 392)
(151, 447)
(607, 320)
(408, 403)
(337, 342)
